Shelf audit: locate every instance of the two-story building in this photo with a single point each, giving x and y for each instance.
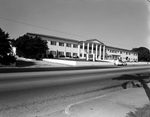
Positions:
(70, 48)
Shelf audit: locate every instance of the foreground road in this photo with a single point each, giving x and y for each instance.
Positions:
(41, 93)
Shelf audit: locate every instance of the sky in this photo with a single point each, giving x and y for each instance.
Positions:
(118, 23)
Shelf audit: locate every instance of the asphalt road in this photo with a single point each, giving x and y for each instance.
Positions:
(33, 94)
(60, 68)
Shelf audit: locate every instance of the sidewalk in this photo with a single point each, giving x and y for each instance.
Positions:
(112, 105)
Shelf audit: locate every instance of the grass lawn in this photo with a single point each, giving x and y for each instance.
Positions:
(22, 62)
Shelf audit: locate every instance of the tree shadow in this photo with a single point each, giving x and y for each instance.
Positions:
(142, 78)
(22, 63)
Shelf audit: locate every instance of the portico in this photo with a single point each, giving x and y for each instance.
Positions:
(94, 47)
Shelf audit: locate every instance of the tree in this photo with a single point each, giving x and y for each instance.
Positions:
(30, 47)
(143, 53)
(6, 53)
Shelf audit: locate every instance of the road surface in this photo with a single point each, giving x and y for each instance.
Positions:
(33, 94)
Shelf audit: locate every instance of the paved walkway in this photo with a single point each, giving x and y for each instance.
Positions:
(116, 104)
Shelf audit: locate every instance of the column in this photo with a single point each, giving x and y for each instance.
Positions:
(65, 49)
(79, 50)
(92, 48)
(71, 51)
(83, 50)
(96, 51)
(88, 48)
(100, 47)
(104, 52)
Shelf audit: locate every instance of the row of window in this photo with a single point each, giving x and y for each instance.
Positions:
(62, 44)
(116, 51)
(68, 54)
(90, 48)
(74, 45)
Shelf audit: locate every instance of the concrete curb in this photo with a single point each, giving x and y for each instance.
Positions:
(33, 69)
(107, 105)
(67, 109)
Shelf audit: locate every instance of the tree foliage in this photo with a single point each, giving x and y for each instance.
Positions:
(4, 43)
(143, 53)
(6, 54)
(30, 47)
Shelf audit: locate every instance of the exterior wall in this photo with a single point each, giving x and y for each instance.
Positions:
(14, 50)
(109, 54)
(125, 55)
(56, 48)
(63, 48)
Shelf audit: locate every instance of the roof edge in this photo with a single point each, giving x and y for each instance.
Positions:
(49, 36)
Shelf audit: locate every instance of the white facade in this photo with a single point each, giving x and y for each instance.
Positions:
(70, 48)
(125, 55)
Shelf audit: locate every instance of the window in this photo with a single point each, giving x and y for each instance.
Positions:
(81, 46)
(53, 42)
(53, 52)
(68, 54)
(61, 44)
(61, 53)
(74, 54)
(120, 52)
(75, 46)
(80, 54)
(68, 44)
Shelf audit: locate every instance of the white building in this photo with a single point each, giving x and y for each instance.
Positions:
(70, 48)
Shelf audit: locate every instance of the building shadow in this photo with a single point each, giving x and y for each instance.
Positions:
(142, 78)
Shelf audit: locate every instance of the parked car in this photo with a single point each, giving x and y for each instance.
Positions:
(120, 63)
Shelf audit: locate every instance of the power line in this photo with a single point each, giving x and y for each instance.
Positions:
(53, 30)
(42, 27)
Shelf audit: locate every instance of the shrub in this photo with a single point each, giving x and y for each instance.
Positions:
(7, 60)
(50, 56)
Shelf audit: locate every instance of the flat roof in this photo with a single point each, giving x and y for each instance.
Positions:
(54, 37)
(120, 49)
(77, 41)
